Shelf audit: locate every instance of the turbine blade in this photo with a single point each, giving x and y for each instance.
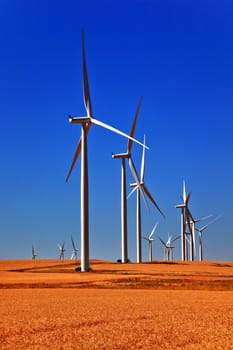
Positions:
(152, 200)
(184, 192)
(86, 91)
(174, 239)
(133, 190)
(130, 141)
(135, 175)
(77, 152)
(204, 218)
(73, 245)
(106, 126)
(189, 214)
(215, 219)
(153, 230)
(134, 171)
(187, 199)
(188, 221)
(211, 222)
(162, 242)
(143, 161)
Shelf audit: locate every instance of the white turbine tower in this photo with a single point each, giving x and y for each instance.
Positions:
(168, 246)
(150, 239)
(186, 217)
(123, 157)
(74, 250)
(141, 189)
(200, 232)
(33, 253)
(62, 250)
(86, 123)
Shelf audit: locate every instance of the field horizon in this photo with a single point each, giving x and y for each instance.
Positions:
(53, 273)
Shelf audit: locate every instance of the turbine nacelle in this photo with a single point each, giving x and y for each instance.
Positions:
(180, 206)
(148, 239)
(135, 184)
(121, 155)
(79, 120)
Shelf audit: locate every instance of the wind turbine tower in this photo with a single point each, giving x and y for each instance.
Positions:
(150, 240)
(86, 123)
(141, 189)
(123, 157)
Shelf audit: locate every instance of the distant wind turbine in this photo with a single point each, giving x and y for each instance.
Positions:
(150, 239)
(141, 189)
(123, 157)
(168, 246)
(200, 232)
(186, 217)
(74, 250)
(62, 250)
(192, 241)
(33, 253)
(86, 123)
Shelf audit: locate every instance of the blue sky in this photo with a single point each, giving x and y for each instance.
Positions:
(178, 55)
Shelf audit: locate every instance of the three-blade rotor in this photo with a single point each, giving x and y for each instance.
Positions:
(140, 184)
(89, 119)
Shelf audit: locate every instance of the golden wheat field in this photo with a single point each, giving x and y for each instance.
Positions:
(46, 304)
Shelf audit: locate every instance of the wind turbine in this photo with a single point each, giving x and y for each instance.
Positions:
(123, 157)
(33, 253)
(86, 123)
(150, 239)
(192, 241)
(74, 250)
(200, 232)
(62, 250)
(141, 189)
(186, 216)
(168, 246)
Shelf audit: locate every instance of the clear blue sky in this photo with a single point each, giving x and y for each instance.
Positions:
(178, 55)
